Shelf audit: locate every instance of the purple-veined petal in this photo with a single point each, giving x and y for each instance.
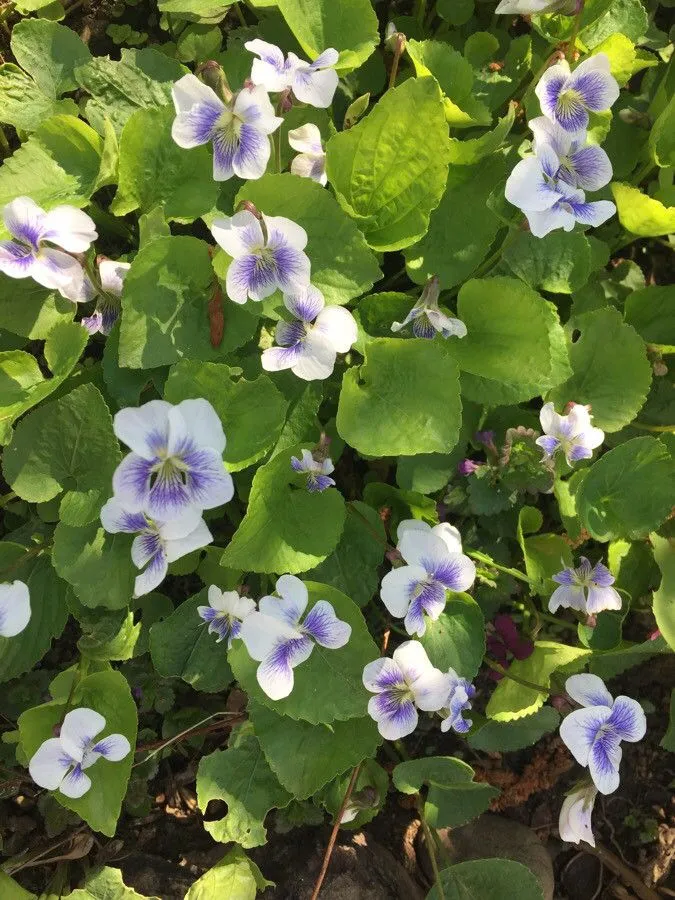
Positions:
(251, 276)
(276, 359)
(396, 717)
(200, 421)
(588, 690)
(325, 627)
(112, 274)
(262, 630)
(601, 575)
(49, 764)
(225, 145)
(271, 71)
(527, 188)
(457, 572)
(569, 597)
(412, 659)
(328, 57)
(144, 547)
(114, 747)
(275, 672)
(604, 760)
(446, 325)
(549, 86)
(198, 109)
(574, 823)
(291, 602)
(580, 728)
(157, 564)
(14, 608)
(546, 131)
(548, 444)
(422, 547)
(252, 106)
(252, 154)
(382, 675)
(168, 496)
(239, 234)
(305, 304)
(315, 358)
(543, 223)
(397, 587)
(75, 784)
(288, 334)
(590, 167)
(414, 313)
(24, 220)
(69, 228)
(16, 260)
(628, 719)
(306, 165)
(56, 270)
(600, 598)
(315, 87)
(115, 517)
(597, 87)
(144, 429)
(80, 727)
(318, 483)
(593, 213)
(338, 325)
(414, 622)
(178, 547)
(567, 576)
(283, 232)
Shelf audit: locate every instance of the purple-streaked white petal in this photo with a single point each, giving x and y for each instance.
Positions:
(305, 304)
(200, 422)
(601, 598)
(543, 223)
(546, 131)
(112, 274)
(271, 70)
(456, 571)
(580, 728)
(382, 674)
(314, 87)
(14, 608)
(276, 359)
(24, 220)
(275, 672)
(263, 629)
(338, 325)
(396, 717)
(115, 518)
(292, 601)
(323, 625)
(567, 597)
(604, 760)
(326, 58)
(283, 232)
(144, 429)
(590, 168)
(252, 153)
(588, 690)
(75, 784)
(239, 234)
(253, 106)
(628, 719)
(597, 87)
(421, 547)
(574, 824)
(315, 359)
(548, 444)
(528, 189)
(593, 213)
(198, 109)
(114, 747)
(306, 139)
(69, 228)
(49, 764)
(157, 565)
(16, 260)
(425, 597)
(80, 727)
(397, 587)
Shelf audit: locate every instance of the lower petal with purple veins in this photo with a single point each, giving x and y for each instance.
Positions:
(603, 762)
(275, 674)
(548, 444)
(207, 482)
(318, 483)
(396, 716)
(16, 259)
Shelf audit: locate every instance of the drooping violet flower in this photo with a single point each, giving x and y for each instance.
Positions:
(459, 697)
(311, 159)
(574, 824)
(176, 463)
(594, 734)
(280, 639)
(427, 319)
(581, 165)
(30, 256)
(59, 763)
(567, 97)
(262, 262)
(309, 345)
(111, 274)
(157, 543)
(14, 608)
(402, 685)
(571, 433)
(435, 564)
(312, 83)
(239, 130)
(467, 467)
(317, 471)
(587, 589)
(225, 613)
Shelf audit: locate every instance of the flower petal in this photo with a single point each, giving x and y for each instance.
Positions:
(195, 540)
(112, 274)
(396, 718)
(271, 71)
(574, 823)
(591, 168)
(168, 496)
(284, 232)
(397, 587)
(80, 727)
(546, 131)
(456, 572)
(154, 573)
(57, 270)
(579, 729)
(588, 690)
(527, 188)
(16, 260)
(144, 429)
(69, 228)
(412, 659)
(569, 597)
(238, 234)
(305, 303)
(543, 223)
(292, 601)
(449, 535)
(324, 626)
(115, 518)
(315, 359)
(201, 422)
(113, 748)
(592, 79)
(601, 598)
(275, 673)
(315, 87)
(75, 784)
(431, 689)
(382, 675)
(49, 764)
(550, 85)
(131, 482)
(604, 761)
(24, 220)
(628, 719)
(276, 359)
(253, 107)
(306, 139)
(252, 153)
(338, 325)
(262, 630)
(594, 213)
(14, 608)
(305, 165)
(423, 548)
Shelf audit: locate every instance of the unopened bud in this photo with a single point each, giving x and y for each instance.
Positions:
(212, 75)
(286, 101)
(659, 368)
(355, 110)
(467, 467)
(634, 117)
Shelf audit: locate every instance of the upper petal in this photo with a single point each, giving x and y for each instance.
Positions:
(397, 587)
(422, 547)
(306, 139)
(282, 231)
(588, 690)
(592, 79)
(115, 517)
(260, 632)
(324, 626)
(339, 327)
(315, 87)
(202, 423)
(412, 659)
(449, 535)
(24, 219)
(381, 675)
(114, 747)
(238, 234)
(411, 525)
(253, 106)
(69, 228)
(144, 429)
(305, 303)
(80, 727)
(14, 608)
(189, 90)
(592, 168)
(546, 131)
(112, 275)
(293, 598)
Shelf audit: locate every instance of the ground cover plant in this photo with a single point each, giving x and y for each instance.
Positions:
(337, 444)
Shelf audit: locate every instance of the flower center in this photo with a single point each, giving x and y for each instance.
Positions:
(229, 123)
(568, 100)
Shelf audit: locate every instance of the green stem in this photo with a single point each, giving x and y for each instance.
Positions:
(398, 52)
(181, 734)
(5, 149)
(431, 849)
(643, 171)
(484, 558)
(4, 501)
(276, 139)
(571, 44)
(505, 672)
(36, 551)
(494, 258)
(421, 11)
(657, 429)
(240, 15)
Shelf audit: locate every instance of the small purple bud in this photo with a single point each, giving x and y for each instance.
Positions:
(467, 467)
(137, 693)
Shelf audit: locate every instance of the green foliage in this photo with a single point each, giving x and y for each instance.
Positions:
(350, 27)
(559, 263)
(664, 598)
(50, 53)
(457, 638)
(106, 884)
(487, 879)
(642, 215)
(503, 737)
(235, 877)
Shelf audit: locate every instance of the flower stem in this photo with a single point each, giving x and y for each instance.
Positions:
(398, 52)
(4, 501)
(334, 833)
(193, 729)
(484, 558)
(431, 848)
(505, 672)
(240, 15)
(571, 44)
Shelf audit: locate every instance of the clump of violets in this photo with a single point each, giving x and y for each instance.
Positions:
(225, 613)
(238, 126)
(594, 733)
(310, 343)
(426, 317)
(549, 187)
(572, 433)
(316, 471)
(312, 83)
(60, 762)
(586, 588)
(15, 609)
(280, 636)
(435, 564)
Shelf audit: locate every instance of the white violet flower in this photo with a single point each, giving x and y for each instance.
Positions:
(594, 734)
(574, 823)
(312, 83)
(402, 685)
(311, 159)
(435, 564)
(427, 319)
(225, 613)
(534, 7)
(567, 97)
(581, 165)
(460, 694)
(14, 608)
(280, 639)
(111, 274)
(317, 471)
(59, 763)
(571, 433)
(309, 345)
(587, 589)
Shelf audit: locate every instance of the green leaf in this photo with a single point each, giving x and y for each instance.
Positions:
(661, 138)
(252, 412)
(211, 11)
(48, 609)
(21, 381)
(155, 171)
(112, 636)
(50, 53)
(454, 797)
(628, 17)
(457, 638)
(462, 229)
(513, 700)
(559, 263)
(651, 312)
(235, 877)
(404, 399)
(22, 103)
(493, 88)
(28, 309)
(487, 879)
(106, 884)
(59, 163)
(350, 27)
(390, 169)
(545, 554)
(181, 647)
(668, 739)
(504, 737)
(53, 449)
(506, 356)
(664, 597)
(165, 307)
(328, 686)
(199, 43)
(242, 778)
(640, 214)
(352, 566)
(286, 528)
(342, 265)
(11, 890)
(89, 557)
(612, 505)
(108, 693)
(471, 151)
(140, 79)
(305, 757)
(613, 662)
(610, 369)
(624, 60)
